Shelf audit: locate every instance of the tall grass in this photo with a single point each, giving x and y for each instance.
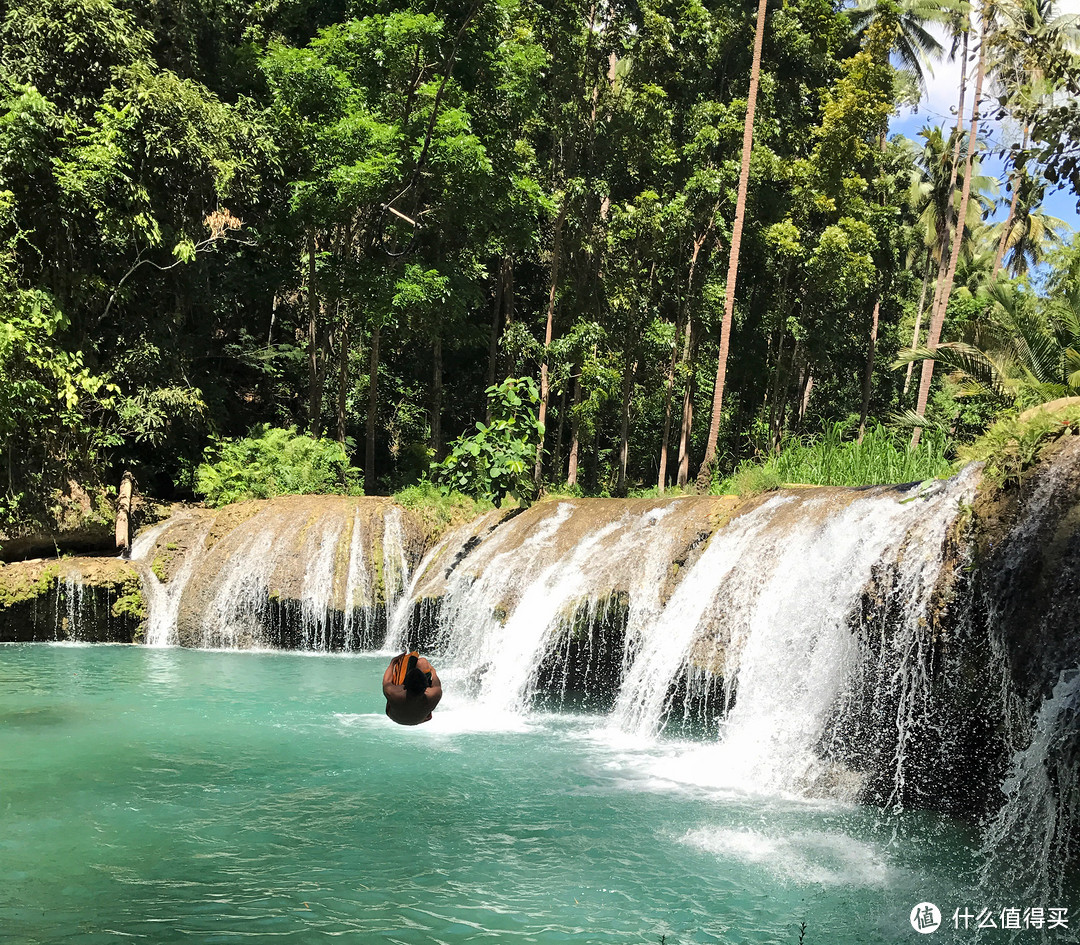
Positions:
(438, 508)
(836, 459)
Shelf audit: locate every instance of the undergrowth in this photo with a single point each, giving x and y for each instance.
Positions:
(1013, 444)
(439, 509)
(274, 461)
(835, 459)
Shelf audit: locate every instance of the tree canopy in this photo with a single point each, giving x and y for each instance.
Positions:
(360, 220)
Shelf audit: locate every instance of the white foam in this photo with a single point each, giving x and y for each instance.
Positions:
(803, 857)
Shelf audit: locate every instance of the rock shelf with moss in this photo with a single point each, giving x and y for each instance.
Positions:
(93, 600)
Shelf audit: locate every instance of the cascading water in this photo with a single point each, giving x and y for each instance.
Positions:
(163, 598)
(357, 590)
(777, 601)
(395, 562)
(301, 572)
(769, 609)
(525, 593)
(71, 592)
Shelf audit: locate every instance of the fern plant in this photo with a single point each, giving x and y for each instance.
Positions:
(273, 461)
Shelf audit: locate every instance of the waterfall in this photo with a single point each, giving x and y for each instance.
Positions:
(357, 590)
(760, 639)
(317, 591)
(163, 597)
(780, 599)
(299, 572)
(67, 618)
(394, 561)
(515, 595)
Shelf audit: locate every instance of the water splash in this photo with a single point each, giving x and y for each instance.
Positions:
(1036, 831)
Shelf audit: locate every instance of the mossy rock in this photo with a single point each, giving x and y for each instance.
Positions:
(93, 600)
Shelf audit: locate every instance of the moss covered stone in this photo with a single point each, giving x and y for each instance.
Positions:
(87, 599)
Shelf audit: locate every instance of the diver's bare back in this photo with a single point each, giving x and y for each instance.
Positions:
(403, 706)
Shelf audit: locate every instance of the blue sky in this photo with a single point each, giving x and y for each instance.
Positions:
(935, 108)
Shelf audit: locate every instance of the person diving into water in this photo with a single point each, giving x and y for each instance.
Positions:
(412, 689)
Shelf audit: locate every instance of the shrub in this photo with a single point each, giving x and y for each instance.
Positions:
(439, 509)
(1014, 444)
(273, 461)
(498, 458)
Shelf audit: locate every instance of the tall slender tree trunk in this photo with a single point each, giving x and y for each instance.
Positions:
(556, 460)
(686, 424)
(792, 371)
(942, 303)
(624, 431)
(314, 387)
(804, 400)
(868, 370)
(545, 387)
(669, 383)
(945, 242)
(868, 373)
(918, 319)
(436, 395)
(705, 472)
(575, 430)
(496, 330)
(1006, 229)
(373, 404)
(343, 378)
(680, 329)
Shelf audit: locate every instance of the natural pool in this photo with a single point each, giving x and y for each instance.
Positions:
(171, 795)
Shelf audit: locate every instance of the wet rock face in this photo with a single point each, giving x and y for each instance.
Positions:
(91, 600)
(615, 532)
(297, 572)
(1027, 582)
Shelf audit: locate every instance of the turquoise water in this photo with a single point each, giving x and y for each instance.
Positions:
(169, 795)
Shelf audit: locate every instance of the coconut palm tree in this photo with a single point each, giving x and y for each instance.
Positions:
(1028, 233)
(933, 179)
(1028, 31)
(941, 300)
(914, 45)
(1017, 351)
(705, 472)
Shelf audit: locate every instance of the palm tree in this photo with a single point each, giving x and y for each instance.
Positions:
(941, 300)
(913, 44)
(934, 197)
(1016, 352)
(1028, 233)
(934, 190)
(1027, 32)
(705, 472)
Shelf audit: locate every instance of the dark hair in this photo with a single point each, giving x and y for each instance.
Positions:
(416, 681)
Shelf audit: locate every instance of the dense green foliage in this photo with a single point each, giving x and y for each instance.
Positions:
(357, 219)
(836, 460)
(1013, 444)
(271, 462)
(498, 458)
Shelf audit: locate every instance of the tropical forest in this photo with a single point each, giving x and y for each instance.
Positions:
(520, 247)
